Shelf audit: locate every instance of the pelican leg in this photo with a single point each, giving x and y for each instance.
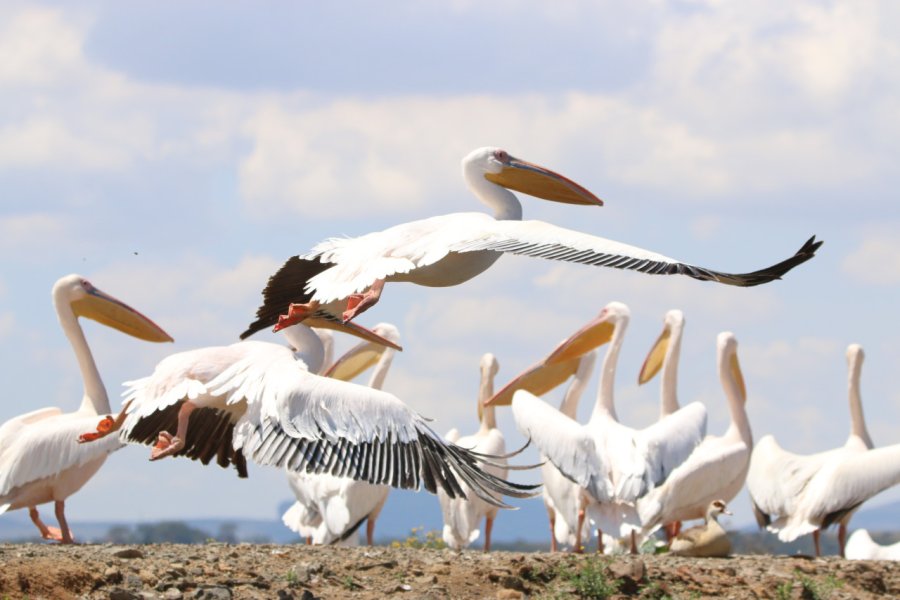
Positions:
(60, 507)
(48, 533)
(167, 444)
(578, 548)
(672, 530)
(359, 303)
(552, 515)
(295, 314)
(106, 426)
(634, 549)
(370, 531)
(309, 540)
(816, 542)
(488, 526)
(600, 547)
(842, 537)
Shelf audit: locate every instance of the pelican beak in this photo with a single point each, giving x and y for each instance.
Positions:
(738, 376)
(539, 379)
(352, 329)
(654, 361)
(103, 308)
(594, 334)
(537, 181)
(359, 358)
(725, 511)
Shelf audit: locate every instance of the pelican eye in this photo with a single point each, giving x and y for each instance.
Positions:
(502, 156)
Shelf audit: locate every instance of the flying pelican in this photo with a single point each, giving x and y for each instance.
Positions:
(861, 546)
(794, 495)
(461, 515)
(709, 539)
(261, 400)
(328, 508)
(40, 458)
(614, 464)
(717, 468)
(450, 249)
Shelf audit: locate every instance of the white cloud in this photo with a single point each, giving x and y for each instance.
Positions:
(876, 260)
(27, 235)
(40, 47)
(6, 324)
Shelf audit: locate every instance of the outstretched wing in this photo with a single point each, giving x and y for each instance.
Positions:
(543, 240)
(565, 443)
(305, 422)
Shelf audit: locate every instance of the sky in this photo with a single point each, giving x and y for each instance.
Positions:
(177, 153)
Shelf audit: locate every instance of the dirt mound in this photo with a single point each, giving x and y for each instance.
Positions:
(222, 571)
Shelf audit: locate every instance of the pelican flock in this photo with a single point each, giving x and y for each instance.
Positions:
(794, 495)
(344, 445)
(614, 464)
(41, 459)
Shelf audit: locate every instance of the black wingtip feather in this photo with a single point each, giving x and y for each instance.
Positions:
(285, 287)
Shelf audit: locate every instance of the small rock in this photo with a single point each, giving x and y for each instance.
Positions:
(172, 594)
(112, 575)
(511, 582)
(218, 592)
(133, 582)
(507, 594)
(120, 594)
(426, 579)
(128, 553)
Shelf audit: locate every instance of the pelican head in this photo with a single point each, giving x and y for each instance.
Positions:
(498, 167)
(673, 323)
(597, 332)
(727, 347)
(489, 367)
(89, 302)
(564, 361)
(365, 354)
(855, 353)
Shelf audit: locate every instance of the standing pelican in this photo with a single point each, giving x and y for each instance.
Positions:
(861, 546)
(461, 515)
(717, 468)
(40, 457)
(328, 508)
(563, 498)
(614, 464)
(794, 495)
(451, 249)
(262, 400)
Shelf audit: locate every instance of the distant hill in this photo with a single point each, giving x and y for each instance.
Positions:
(524, 528)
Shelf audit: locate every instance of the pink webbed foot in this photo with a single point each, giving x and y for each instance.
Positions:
(358, 304)
(296, 313)
(104, 428)
(52, 533)
(166, 445)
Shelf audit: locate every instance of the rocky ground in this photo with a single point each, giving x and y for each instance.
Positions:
(222, 571)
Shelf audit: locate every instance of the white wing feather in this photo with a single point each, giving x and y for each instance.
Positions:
(568, 445)
(47, 446)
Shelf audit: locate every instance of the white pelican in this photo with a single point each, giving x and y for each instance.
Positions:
(40, 457)
(328, 508)
(861, 546)
(614, 464)
(717, 468)
(450, 249)
(261, 400)
(709, 539)
(461, 516)
(563, 499)
(794, 495)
